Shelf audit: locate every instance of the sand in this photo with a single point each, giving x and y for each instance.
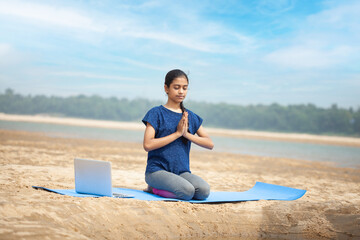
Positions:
(297, 137)
(329, 210)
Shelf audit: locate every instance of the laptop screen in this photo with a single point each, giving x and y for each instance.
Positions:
(93, 177)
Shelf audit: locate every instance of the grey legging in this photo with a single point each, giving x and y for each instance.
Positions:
(185, 186)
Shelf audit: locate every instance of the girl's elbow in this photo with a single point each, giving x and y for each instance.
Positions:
(146, 147)
(211, 146)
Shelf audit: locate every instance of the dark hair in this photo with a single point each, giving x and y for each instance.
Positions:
(169, 78)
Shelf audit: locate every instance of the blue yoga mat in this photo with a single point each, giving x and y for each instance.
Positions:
(261, 191)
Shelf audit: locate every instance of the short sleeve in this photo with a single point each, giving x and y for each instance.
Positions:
(152, 117)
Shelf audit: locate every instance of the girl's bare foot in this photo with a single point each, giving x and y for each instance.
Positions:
(149, 189)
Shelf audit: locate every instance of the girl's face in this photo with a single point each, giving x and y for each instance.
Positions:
(177, 90)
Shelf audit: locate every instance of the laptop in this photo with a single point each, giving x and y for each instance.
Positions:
(94, 177)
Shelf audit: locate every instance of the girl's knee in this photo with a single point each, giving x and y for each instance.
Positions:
(202, 192)
(186, 192)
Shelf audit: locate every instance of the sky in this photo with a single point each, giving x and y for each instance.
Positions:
(236, 51)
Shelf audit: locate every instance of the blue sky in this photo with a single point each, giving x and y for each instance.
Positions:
(242, 52)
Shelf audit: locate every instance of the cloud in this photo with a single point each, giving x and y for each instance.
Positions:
(344, 16)
(141, 64)
(272, 8)
(209, 36)
(49, 15)
(324, 40)
(303, 57)
(5, 49)
(9, 56)
(93, 76)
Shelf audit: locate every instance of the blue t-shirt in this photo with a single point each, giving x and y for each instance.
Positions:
(173, 157)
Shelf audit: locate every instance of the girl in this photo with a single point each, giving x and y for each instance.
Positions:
(170, 129)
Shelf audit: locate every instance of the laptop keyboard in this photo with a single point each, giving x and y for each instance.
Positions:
(122, 195)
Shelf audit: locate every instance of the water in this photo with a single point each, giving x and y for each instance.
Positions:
(344, 156)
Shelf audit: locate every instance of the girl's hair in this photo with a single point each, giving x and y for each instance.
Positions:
(169, 78)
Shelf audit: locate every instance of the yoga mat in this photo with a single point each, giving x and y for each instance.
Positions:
(261, 191)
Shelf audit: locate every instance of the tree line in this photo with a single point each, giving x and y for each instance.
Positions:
(301, 118)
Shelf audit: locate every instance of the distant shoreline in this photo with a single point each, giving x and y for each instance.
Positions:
(296, 137)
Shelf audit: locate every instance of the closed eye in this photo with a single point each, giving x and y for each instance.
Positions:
(176, 87)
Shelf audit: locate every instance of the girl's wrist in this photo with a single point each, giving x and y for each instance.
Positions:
(178, 134)
(186, 134)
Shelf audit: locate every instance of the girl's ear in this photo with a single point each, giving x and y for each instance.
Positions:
(166, 89)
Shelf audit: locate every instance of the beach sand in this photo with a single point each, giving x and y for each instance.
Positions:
(329, 210)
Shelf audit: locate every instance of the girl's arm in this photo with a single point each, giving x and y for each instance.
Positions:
(203, 139)
(152, 143)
